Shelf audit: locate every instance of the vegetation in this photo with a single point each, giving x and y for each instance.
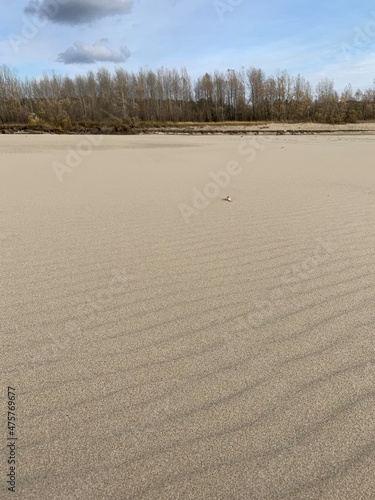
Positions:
(123, 99)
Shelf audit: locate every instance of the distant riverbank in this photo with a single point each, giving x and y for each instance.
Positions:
(236, 128)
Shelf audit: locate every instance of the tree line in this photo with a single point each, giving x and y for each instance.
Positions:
(168, 95)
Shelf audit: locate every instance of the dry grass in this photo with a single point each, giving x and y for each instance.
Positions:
(160, 124)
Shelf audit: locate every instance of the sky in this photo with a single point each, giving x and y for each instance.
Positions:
(317, 39)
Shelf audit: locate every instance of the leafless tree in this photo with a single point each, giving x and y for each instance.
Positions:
(164, 94)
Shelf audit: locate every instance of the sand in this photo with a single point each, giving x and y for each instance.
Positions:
(259, 128)
(166, 345)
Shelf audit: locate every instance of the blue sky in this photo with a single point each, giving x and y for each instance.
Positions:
(330, 38)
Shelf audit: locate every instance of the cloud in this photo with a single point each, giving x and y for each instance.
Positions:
(75, 12)
(82, 53)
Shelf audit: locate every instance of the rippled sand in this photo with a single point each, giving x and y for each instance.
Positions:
(164, 350)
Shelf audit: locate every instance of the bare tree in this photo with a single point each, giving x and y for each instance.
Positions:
(167, 95)
(327, 102)
(257, 93)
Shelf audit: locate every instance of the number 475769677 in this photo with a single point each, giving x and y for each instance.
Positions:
(11, 410)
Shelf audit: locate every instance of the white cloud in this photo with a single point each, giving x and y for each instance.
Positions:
(82, 53)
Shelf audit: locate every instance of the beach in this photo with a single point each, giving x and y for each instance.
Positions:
(165, 343)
